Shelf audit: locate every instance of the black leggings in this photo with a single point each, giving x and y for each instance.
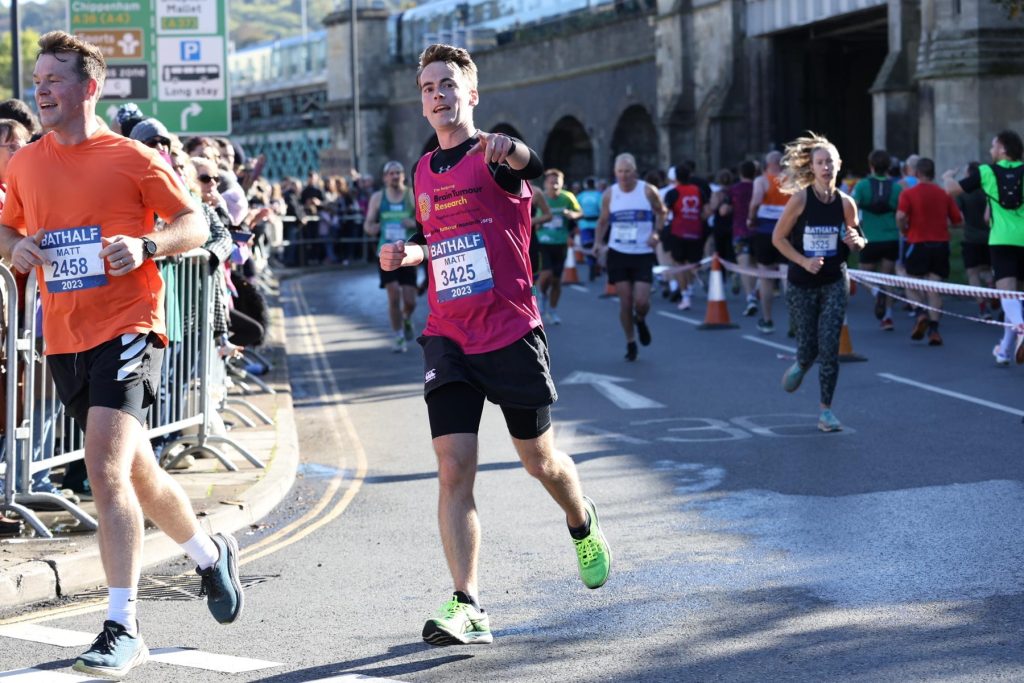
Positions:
(455, 408)
(818, 314)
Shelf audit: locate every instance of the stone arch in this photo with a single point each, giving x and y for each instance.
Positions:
(507, 129)
(570, 149)
(636, 133)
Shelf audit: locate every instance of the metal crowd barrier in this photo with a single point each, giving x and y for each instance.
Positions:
(296, 249)
(47, 437)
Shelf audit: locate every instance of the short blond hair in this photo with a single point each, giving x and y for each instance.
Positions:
(458, 57)
(797, 173)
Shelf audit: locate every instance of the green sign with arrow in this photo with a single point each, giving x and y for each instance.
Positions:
(167, 56)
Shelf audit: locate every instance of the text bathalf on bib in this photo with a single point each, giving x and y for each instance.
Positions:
(821, 240)
(460, 267)
(72, 259)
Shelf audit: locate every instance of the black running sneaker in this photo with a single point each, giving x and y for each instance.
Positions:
(880, 306)
(631, 351)
(643, 332)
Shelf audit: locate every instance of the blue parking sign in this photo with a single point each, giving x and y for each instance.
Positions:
(190, 51)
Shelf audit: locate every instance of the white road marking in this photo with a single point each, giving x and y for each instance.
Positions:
(43, 676)
(952, 394)
(47, 635)
(607, 386)
(354, 677)
(765, 342)
(578, 288)
(209, 661)
(685, 319)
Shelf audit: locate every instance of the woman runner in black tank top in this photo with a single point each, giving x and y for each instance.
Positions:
(816, 232)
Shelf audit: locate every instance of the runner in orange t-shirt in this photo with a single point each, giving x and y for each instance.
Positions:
(79, 209)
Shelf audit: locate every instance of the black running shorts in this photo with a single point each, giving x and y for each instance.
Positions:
(1007, 261)
(405, 276)
(975, 255)
(927, 258)
(123, 374)
(684, 250)
(630, 267)
(764, 251)
(552, 257)
(874, 252)
(516, 377)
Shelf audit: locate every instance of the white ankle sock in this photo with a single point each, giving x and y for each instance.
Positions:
(1013, 315)
(201, 549)
(121, 605)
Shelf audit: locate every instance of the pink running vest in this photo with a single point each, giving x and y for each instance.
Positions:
(478, 241)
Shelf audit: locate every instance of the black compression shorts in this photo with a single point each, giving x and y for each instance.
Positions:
(516, 377)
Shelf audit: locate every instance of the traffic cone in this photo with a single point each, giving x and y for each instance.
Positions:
(846, 352)
(609, 290)
(569, 274)
(717, 316)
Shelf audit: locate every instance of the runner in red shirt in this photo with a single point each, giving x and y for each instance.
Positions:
(484, 337)
(924, 215)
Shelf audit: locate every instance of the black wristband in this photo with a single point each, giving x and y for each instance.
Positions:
(512, 146)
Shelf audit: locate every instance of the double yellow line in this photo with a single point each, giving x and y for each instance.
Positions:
(326, 509)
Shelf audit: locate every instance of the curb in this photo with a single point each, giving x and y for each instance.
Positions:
(56, 575)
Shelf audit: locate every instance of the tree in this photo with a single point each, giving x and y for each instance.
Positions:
(29, 48)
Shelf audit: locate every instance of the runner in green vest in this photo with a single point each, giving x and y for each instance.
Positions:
(553, 238)
(1003, 183)
(390, 214)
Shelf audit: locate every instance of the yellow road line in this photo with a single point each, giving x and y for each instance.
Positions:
(332, 396)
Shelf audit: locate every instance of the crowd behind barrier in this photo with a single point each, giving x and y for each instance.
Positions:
(40, 436)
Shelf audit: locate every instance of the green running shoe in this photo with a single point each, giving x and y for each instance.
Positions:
(407, 330)
(113, 654)
(593, 553)
(458, 623)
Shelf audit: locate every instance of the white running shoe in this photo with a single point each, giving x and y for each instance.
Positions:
(685, 304)
(1002, 360)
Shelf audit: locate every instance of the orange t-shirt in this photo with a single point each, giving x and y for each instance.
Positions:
(105, 186)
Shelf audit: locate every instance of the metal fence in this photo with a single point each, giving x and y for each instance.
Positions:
(40, 435)
(312, 239)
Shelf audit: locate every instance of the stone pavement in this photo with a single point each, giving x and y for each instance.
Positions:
(35, 570)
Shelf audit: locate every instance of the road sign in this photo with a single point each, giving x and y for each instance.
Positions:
(117, 44)
(167, 56)
(127, 82)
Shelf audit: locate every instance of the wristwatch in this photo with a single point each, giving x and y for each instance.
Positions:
(148, 248)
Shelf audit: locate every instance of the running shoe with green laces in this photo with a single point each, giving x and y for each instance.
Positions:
(593, 554)
(458, 623)
(114, 652)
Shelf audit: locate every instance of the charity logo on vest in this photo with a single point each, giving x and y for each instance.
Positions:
(424, 203)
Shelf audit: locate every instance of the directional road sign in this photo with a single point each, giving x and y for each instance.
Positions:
(167, 56)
